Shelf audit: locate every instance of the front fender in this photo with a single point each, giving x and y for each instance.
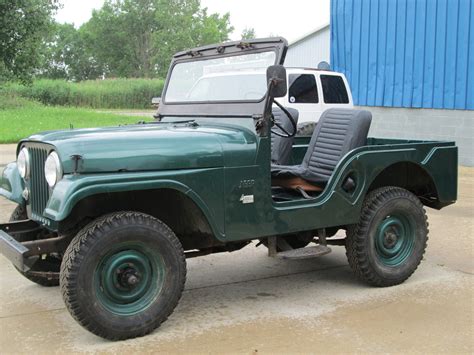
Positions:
(73, 188)
(11, 184)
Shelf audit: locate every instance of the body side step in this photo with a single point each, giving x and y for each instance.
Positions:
(305, 253)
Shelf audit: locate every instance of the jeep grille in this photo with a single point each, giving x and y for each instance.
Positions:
(39, 189)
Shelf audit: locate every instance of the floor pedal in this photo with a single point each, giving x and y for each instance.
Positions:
(305, 253)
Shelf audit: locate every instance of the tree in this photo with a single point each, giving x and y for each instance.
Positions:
(68, 55)
(136, 38)
(23, 26)
(248, 33)
(58, 52)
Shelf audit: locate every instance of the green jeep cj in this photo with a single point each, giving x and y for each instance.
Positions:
(111, 214)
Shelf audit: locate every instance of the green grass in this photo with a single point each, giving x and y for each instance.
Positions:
(100, 94)
(20, 122)
(12, 101)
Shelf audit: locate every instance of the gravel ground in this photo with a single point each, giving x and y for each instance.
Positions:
(245, 302)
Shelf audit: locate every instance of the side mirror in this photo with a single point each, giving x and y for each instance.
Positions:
(276, 79)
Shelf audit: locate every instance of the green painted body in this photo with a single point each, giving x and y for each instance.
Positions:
(216, 162)
(11, 184)
(217, 158)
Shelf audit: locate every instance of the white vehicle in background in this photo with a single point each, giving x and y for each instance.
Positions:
(313, 91)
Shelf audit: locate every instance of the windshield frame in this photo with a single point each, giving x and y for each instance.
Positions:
(210, 58)
(230, 108)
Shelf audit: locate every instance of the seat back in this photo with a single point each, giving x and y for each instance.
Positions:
(337, 132)
(282, 146)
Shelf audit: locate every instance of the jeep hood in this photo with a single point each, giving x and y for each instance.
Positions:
(145, 147)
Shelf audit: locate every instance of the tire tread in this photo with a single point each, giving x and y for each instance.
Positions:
(357, 234)
(79, 247)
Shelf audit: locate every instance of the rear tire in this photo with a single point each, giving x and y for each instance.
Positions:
(123, 275)
(387, 245)
(45, 272)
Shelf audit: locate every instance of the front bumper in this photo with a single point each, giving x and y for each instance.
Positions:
(23, 255)
(16, 252)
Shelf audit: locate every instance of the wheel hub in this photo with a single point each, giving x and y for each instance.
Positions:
(128, 280)
(390, 239)
(394, 240)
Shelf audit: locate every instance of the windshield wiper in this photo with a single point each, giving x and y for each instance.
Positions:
(191, 123)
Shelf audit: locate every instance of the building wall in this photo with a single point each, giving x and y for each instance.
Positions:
(310, 50)
(405, 53)
(426, 124)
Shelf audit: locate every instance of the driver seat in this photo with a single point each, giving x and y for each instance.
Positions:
(337, 132)
(282, 146)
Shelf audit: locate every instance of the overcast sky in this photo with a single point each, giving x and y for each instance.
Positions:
(290, 19)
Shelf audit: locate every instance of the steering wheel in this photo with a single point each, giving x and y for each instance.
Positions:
(285, 133)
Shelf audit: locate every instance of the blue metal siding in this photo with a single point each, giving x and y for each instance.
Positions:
(405, 53)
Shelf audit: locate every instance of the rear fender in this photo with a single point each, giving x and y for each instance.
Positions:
(442, 165)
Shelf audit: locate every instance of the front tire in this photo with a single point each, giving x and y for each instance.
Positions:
(388, 243)
(123, 275)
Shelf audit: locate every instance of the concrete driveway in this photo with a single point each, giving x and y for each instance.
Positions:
(245, 302)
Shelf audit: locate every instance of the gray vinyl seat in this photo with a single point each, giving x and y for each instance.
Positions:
(338, 132)
(282, 146)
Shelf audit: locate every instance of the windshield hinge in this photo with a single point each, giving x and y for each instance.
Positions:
(194, 53)
(192, 124)
(244, 45)
(259, 122)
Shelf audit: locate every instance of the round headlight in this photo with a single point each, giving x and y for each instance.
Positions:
(52, 169)
(23, 163)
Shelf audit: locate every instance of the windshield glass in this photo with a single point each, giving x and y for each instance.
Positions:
(237, 78)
